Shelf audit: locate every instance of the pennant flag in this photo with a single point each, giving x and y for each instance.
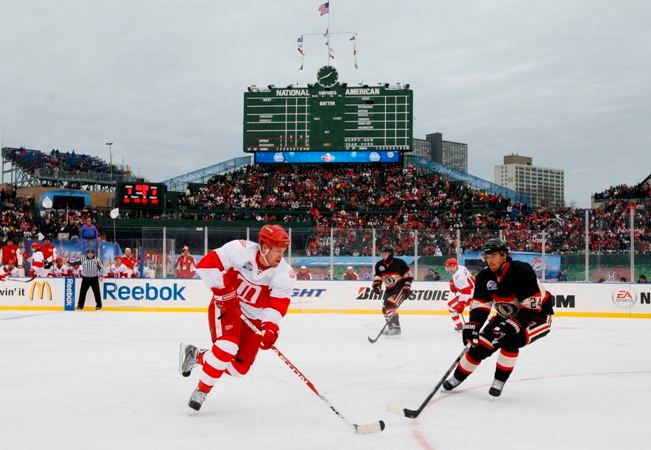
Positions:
(354, 39)
(324, 9)
(299, 43)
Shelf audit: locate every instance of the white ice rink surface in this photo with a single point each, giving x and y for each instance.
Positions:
(109, 381)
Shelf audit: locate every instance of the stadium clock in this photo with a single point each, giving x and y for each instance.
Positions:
(145, 195)
(327, 76)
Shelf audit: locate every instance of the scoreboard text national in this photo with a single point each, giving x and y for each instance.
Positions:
(328, 116)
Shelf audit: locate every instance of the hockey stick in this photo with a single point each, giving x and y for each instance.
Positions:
(387, 320)
(374, 427)
(413, 413)
(20, 280)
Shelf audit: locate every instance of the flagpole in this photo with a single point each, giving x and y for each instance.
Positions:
(328, 37)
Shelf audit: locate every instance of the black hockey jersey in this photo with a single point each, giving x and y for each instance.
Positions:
(514, 292)
(394, 273)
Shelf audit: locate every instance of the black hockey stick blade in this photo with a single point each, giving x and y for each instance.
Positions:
(374, 427)
(21, 280)
(399, 410)
(386, 323)
(373, 341)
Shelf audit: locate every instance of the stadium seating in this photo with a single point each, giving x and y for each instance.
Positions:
(403, 200)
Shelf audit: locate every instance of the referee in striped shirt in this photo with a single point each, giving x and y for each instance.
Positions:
(91, 274)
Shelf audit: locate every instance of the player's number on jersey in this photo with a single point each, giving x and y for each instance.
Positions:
(533, 303)
(248, 292)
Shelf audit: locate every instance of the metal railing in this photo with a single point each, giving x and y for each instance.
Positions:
(576, 253)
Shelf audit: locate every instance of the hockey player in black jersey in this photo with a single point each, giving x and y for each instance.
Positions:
(396, 276)
(523, 309)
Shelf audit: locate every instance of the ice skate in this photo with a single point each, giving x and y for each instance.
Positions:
(187, 358)
(393, 331)
(196, 400)
(496, 388)
(451, 383)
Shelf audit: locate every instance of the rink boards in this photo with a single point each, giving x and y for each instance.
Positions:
(315, 297)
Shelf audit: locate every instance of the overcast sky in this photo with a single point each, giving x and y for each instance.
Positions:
(564, 81)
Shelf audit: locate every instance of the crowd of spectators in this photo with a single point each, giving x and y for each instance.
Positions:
(400, 202)
(623, 192)
(406, 208)
(19, 220)
(57, 160)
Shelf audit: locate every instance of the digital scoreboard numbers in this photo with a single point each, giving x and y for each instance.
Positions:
(140, 195)
(328, 116)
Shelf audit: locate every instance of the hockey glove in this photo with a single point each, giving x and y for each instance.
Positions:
(377, 287)
(506, 329)
(222, 296)
(470, 334)
(406, 291)
(269, 335)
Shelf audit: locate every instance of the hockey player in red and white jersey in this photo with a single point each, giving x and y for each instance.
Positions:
(186, 266)
(49, 252)
(131, 263)
(462, 286)
(75, 268)
(117, 269)
(9, 270)
(59, 270)
(38, 262)
(245, 278)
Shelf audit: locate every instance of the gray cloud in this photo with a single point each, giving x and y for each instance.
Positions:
(566, 82)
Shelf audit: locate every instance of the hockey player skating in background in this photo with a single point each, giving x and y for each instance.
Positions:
(394, 273)
(462, 285)
(523, 309)
(245, 278)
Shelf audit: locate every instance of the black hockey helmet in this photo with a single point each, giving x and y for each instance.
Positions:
(495, 245)
(387, 248)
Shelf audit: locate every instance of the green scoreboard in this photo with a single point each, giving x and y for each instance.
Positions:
(328, 116)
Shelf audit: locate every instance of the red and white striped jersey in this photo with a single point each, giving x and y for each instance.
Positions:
(49, 252)
(462, 284)
(5, 272)
(186, 266)
(38, 264)
(264, 294)
(120, 271)
(60, 272)
(9, 252)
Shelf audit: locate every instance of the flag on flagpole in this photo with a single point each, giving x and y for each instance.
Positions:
(354, 39)
(299, 43)
(324, 9)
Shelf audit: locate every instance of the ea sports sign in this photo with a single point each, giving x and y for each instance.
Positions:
(624, 298)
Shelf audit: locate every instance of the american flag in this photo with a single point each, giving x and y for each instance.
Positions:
(324, 8)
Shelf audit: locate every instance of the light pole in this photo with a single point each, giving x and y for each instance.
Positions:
(110, 158)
